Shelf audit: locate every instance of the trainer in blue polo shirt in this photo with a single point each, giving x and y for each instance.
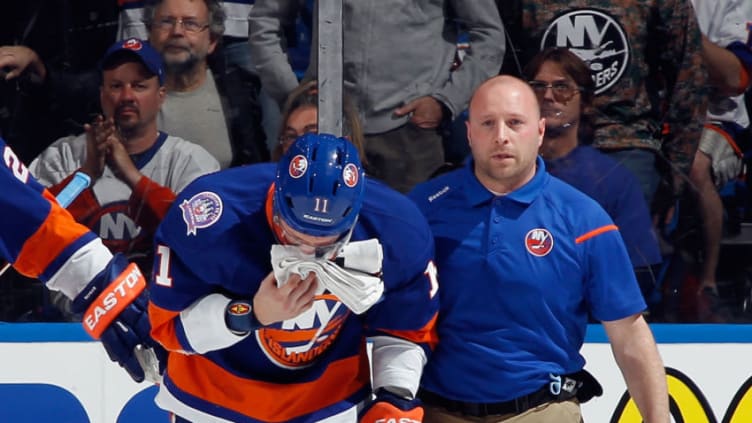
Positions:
(522, 259)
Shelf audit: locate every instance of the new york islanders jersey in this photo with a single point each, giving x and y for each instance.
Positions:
(123, 218)
(39, 237)
(519, 275)
(216, 240)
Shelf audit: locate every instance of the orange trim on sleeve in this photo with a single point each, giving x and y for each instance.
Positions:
(726, 136)
(163, 327)
(55, 234)
(595, 232)
(267, 401)
(149, 203)
(425, 335)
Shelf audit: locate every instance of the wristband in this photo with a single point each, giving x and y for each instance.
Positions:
(239, 317)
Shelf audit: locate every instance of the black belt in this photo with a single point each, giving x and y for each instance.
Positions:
(515, 406)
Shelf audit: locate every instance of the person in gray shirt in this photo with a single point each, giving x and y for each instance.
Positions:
(397, 57)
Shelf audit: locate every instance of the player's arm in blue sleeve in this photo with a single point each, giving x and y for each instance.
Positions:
(187, 302)
(402, 325)
(187, 314)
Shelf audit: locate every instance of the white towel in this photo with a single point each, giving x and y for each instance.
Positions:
(356, 282)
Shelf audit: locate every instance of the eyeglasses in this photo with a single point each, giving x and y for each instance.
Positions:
(188, 25)
(561, 90)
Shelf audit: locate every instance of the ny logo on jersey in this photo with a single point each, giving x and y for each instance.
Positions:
(297, 342)
(596, 38)
(539, 242)
(116, 228)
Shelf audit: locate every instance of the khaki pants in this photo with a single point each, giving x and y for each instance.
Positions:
(404, 157)
(551, 412)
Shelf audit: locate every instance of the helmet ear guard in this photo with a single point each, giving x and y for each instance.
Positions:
(320, 185)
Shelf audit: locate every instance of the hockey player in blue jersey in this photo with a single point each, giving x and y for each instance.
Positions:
(523, 259)
(42, 240)
(268, 280)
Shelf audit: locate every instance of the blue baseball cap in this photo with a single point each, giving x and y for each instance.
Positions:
(140, 49)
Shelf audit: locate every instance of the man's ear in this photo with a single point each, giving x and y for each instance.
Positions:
(541, 131)
(213, 41)
(162, 94)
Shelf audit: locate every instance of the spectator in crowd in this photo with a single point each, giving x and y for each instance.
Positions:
(135, 169)
(403, 104)
(232, 65)
(650, 96)
(271, 277)
(564, 88)
(300, 116)
(524, 258)
(185, 32)
(727, 50)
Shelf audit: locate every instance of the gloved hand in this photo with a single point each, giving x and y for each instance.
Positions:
(388, 407)
(114, 304)
(719, 144)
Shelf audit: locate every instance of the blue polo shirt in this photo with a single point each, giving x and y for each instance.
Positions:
(518, 275)
(617, 190)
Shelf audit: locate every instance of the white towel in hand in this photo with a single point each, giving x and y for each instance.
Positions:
(353, 283)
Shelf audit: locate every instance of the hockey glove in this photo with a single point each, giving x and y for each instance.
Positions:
(718, 143)
(114, 304)
(388, 407)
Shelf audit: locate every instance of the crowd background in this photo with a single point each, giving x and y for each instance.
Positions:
(71, 36)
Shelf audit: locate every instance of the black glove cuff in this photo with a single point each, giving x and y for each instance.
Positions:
(239, 317)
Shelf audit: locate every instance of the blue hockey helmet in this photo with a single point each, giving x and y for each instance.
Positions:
(320, 185)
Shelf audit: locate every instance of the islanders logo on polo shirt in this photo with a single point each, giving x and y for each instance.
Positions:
(539, 242)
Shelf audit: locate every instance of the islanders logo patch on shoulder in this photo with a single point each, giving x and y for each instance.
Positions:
(539, 242)
(298, 166)
(201, 211)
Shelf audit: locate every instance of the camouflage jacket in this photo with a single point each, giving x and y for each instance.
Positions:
(645, 59)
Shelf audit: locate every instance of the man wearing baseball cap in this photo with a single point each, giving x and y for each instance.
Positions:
(139, 49)
(136, 170)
